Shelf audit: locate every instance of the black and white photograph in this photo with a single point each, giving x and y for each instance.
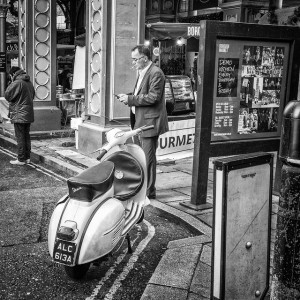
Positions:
(149, 149)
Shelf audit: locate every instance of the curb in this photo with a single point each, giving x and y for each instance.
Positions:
(53, 162)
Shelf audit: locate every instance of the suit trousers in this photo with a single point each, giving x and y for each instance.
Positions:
(23, 140)
(149, 145)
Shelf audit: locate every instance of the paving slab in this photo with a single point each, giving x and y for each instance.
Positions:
(192, 221)
(157, 292)
(206, 218)
(179, 179)
(193, 296)
(171, 196)
(183, 208)
(61, 165)
(206, 255)
(185, 166)
(201, 282)
(177, 266)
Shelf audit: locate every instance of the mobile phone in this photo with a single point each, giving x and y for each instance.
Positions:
(116, 96)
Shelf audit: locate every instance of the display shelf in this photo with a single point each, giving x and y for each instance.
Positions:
(179, 94)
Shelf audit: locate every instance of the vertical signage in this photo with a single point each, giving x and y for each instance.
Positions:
(2, 62)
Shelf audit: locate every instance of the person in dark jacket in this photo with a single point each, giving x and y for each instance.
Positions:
(20, 94)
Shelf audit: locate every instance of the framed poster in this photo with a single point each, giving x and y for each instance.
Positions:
(249, 89)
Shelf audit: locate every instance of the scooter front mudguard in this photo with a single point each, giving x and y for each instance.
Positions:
(98, 229)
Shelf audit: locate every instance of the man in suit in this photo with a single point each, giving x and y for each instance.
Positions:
(148, 107)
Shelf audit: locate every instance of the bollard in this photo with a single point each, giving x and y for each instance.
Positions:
(286, 266)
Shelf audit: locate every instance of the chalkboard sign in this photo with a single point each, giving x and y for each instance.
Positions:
(227, 77)
(2, 62)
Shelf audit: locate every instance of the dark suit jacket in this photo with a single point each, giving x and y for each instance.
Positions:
(150, 106)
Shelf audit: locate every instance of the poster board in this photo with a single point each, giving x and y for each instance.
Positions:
(225, 40)
(249, 89)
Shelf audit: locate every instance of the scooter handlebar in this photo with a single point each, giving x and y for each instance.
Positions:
(121, 139)
(102, 153)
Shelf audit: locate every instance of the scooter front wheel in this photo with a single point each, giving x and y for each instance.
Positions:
(78, 271)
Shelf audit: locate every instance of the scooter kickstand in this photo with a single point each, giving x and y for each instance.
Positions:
(128, 243)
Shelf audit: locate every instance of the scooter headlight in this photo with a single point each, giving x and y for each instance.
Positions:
(68, 231)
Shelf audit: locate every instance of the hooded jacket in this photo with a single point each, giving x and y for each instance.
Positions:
(20, 94)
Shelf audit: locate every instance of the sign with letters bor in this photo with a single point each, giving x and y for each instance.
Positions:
(180, 137)
(193, 31)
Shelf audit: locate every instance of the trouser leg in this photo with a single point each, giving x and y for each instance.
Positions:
(27, 141)
(149, 146)
(21, 141)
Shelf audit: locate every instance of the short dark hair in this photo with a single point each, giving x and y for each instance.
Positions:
(142, 49)
(13, 70)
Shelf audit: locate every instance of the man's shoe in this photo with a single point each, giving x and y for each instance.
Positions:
(27, 161)
(17, 162)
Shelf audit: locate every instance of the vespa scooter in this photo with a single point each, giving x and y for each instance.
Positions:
(103, 204)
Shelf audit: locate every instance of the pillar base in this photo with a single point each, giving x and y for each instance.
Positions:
(46, 118)
(196, 207)
(91, 137)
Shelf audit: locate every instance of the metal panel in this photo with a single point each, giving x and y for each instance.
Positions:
(247, 215)
(241, 230)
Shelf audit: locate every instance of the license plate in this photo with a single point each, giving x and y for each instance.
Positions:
(64, 252)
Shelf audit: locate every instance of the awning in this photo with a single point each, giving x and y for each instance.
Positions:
(165, 31)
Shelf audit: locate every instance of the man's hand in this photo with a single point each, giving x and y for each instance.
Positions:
(123, 98)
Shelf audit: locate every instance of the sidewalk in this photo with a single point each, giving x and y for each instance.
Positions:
(184, 270)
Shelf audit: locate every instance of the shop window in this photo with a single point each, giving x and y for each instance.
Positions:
(168, 6)
(183, 6)
(202, 4)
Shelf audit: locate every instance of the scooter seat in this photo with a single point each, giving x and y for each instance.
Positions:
(129, 175)
(92, 183)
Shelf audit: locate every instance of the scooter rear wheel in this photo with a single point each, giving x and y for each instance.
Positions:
(78, 271)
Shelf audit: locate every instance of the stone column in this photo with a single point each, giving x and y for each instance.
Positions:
(112, 29)
(37, 55)
(3, 10)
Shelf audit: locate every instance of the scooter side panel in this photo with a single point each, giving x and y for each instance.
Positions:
(103, 231)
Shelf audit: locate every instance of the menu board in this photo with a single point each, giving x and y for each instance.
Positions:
(249, 89)
(227, 77)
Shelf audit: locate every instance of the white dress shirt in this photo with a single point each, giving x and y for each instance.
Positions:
(140, 79)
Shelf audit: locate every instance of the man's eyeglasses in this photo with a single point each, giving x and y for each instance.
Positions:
(136, 59)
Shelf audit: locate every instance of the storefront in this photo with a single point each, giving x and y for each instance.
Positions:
(175, 48)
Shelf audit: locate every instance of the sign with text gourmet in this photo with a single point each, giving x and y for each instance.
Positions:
(180, 137)
(249, 89)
